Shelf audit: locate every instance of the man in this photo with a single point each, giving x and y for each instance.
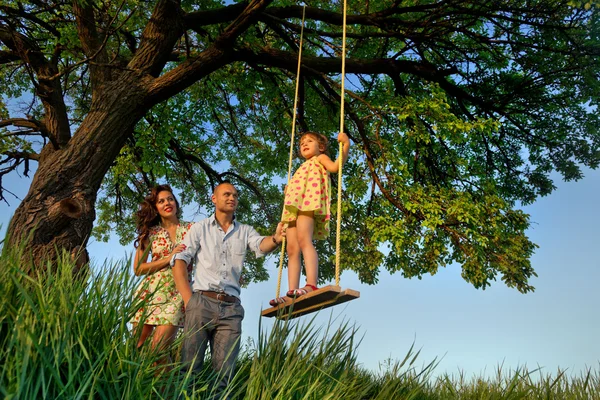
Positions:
(213, 312)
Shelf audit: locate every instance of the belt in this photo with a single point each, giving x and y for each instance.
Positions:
(220, 296)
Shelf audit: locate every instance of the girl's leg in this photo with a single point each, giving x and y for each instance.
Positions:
(305, 225)
(146, 331)
(293, 253)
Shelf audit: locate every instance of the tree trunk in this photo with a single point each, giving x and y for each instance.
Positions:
(58, 211)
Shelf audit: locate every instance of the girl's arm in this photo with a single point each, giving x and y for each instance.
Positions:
(142, 267)
(333, 166)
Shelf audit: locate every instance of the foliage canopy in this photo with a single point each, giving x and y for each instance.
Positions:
(459, 112)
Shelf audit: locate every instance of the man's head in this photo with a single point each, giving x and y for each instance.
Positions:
(225, 198)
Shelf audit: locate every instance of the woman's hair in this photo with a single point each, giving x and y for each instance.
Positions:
(147, 216)
(321, 139)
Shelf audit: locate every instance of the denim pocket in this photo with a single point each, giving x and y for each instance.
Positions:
(238, 311)
(192, 301)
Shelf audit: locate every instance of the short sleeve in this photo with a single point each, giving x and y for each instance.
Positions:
(254, 240)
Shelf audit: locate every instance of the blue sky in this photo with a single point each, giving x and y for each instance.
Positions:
(467, 330)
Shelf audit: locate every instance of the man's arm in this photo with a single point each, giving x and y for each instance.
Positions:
(270, 243)
(181, 260)
(180, 275)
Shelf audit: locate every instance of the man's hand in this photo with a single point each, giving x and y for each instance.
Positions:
(270, 243)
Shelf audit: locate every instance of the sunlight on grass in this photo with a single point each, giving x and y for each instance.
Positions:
(68, 338)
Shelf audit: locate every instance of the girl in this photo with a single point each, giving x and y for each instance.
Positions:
(306, 210)
(158, 226)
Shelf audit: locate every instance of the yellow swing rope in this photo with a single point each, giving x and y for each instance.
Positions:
(340, 152)
(289, 174)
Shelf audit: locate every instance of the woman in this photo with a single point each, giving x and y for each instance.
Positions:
(158, 226)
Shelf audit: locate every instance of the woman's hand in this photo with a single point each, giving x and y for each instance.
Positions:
(177, 249)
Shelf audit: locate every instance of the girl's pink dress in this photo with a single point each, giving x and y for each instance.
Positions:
(309, 190)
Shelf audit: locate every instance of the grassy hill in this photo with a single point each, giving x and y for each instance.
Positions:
(68, 338)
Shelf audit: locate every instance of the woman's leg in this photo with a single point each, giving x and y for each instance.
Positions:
(146, 331)
(305, 225)
(164, 335)
(293, 253)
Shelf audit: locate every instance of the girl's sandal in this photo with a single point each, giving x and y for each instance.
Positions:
(277, 301)
(294, 293)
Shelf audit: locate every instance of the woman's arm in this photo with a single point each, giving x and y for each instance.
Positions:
(142, 267)
(333, 166)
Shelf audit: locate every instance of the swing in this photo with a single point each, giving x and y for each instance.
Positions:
(331, 295)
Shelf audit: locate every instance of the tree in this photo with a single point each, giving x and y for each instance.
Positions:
(459, 112)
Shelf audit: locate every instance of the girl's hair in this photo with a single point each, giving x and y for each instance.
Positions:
(321, 139)
(147, 216)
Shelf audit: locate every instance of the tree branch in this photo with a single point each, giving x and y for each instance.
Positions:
(23, 155)
(196, 19)
(8, 57)
(49, 90)
(158, 38)
(209, 60)
(20, 13)
(35, 125)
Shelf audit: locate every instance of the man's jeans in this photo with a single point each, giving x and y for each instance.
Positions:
(214, 322)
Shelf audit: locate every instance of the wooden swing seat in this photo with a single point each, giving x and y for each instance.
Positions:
(324, 297)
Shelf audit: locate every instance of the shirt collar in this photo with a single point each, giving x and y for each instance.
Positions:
(213, 220)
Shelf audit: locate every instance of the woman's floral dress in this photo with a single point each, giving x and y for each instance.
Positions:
(163, 304)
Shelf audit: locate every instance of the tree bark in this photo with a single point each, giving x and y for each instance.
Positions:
(58, 211)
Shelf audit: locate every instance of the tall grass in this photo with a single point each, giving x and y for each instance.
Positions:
(521, 384)
(68, 338)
